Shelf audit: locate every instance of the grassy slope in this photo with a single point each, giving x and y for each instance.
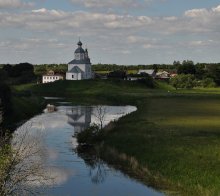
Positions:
(174, 133)
(23, 106)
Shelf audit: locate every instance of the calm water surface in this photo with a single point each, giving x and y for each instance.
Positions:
(73, 173)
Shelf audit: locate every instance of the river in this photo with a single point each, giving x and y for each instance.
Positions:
(66, 171)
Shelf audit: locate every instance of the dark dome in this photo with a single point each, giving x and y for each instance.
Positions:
(79, 43)
(79, 50)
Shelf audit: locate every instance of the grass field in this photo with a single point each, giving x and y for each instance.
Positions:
(174, 134)
(178, 138)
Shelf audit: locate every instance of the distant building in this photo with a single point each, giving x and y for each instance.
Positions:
(51, 77)
(80, 68)
(173, 75)
(134, 77)
(150, 72)
(163, 75)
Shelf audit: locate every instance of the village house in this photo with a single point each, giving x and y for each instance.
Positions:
(162, 75)
(141, 74)
(150, 72)
(80, 68)
(51, 77)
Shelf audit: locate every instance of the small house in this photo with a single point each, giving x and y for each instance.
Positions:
(51, 77)
(150, 72)
(162, 75)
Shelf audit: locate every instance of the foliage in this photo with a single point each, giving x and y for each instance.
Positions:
(213, 71)
(117, 74)
(147, 80)
(89, 135)
(5, 96)
(128, 68)
(21, 164)
(189, 81)
(18, 74)
(100, 114)
(208, 83)
(183, 81)
(39, 70)
(187, 67)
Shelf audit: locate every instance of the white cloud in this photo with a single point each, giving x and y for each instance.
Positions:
(216, 9)
(196, 12)
(108, 3)
(5, 4)
(113, 33)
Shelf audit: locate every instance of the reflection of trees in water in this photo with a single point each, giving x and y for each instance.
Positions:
(97, 168)
(23, 168)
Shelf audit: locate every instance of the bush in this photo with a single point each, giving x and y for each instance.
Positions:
(148, 81)
(183, 81)
(5, 96)
(88, 136)
(208, 83)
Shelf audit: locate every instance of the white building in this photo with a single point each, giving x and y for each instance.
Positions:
(162, 75)
(51, 77)
(80, 68)
(150, 72)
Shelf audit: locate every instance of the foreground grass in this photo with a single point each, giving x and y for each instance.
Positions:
(176, 137)
(174, 134)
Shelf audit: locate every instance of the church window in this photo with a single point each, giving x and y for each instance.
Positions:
(72, 76)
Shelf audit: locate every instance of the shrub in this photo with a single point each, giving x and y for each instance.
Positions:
(183, 81)
(208, 82)
(148, 81)
(88, 136)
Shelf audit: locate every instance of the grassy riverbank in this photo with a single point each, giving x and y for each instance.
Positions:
(24, 105)
(174, 135)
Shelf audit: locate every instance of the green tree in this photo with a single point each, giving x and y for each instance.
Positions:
(213, 71)
(208, 83)
(183, 81)
(187, 67)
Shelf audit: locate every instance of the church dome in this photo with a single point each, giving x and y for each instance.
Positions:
(80, 50)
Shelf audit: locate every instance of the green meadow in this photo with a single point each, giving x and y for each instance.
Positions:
(173, 139)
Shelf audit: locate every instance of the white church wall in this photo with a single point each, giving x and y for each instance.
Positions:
(73, 76)
(81, 66)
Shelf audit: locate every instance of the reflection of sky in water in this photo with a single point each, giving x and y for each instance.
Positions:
(71, 176)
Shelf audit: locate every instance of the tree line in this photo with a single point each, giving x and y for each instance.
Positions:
(196, 75)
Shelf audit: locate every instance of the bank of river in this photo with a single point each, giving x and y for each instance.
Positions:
(75, 173)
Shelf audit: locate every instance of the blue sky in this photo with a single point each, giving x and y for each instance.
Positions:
(115, 31)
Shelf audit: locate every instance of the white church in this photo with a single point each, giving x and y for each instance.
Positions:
(80, 68)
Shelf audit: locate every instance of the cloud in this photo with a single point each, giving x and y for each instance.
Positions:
(93, 23)
(110, 3)
(5, 4)
(113, 33)
(44, 19)
(26, 44)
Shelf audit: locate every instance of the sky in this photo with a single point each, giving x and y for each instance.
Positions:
(125, 32)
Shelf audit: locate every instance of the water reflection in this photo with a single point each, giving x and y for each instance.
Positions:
(97, 167)
(79, 117)
(75, 171)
